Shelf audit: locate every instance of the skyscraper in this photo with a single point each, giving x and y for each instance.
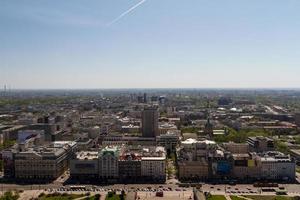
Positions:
(145, 98)
(150, 122)
(209, 129)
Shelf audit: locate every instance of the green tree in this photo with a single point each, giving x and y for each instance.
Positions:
(282, 147)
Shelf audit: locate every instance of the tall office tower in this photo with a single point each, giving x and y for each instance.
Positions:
(4, 91)
(209, 129)
(297, 119)
(150, 122)
(145, 98)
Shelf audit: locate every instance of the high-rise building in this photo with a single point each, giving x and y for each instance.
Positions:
(297, 119)
(145, 98)
(209, 129)
(150, 122)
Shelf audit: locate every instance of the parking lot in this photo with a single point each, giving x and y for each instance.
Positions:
(172, 195)
(226, 189)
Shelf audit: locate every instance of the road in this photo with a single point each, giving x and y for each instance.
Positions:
(171, 184)
(145, 191)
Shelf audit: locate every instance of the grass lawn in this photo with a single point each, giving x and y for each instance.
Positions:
(269, 197)
(9, 196)
(59, 196)
(93, 198)
(114, 197)
(216, 197)
(298, 169)
(236, 198)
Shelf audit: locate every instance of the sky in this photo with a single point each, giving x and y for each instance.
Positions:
(57, 44)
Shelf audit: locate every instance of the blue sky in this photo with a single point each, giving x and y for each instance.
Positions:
(160, 44)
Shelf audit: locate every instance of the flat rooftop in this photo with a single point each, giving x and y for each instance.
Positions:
(87, 155)
(154, 158)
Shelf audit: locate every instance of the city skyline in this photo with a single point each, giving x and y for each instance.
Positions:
(149, 44)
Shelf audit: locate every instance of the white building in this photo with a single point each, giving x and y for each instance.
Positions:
(163, 128)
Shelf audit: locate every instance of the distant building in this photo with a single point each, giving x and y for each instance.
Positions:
(209, 129)
(170, 140)
(224, 101)
(140, 99)
(297, 119)
(150, 122)
(130, 129)
(11, 133)
(236, 148)
(192, 149)
(295, 153)
(163, 128)
(49, 129)
(162, 99)
(24, 135)
(260, 144)
(145, 98)
(118, 140)
(154, 98)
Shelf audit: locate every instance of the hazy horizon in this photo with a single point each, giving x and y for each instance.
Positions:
(151, 44)
(145, 89)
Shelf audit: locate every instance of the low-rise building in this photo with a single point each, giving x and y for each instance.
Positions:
(153, 164)
(193, 170)
(265, 166)
(130, 167)
(295, 153)
(236, 148)
(118, 140)
(277, 166)
(84, 165)
(163, 128)
(131, 128)
(108, 163)
(142, 164)
(245, 167)
(260, 144)
(169, 140)
(45, 162)
(11, 133)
